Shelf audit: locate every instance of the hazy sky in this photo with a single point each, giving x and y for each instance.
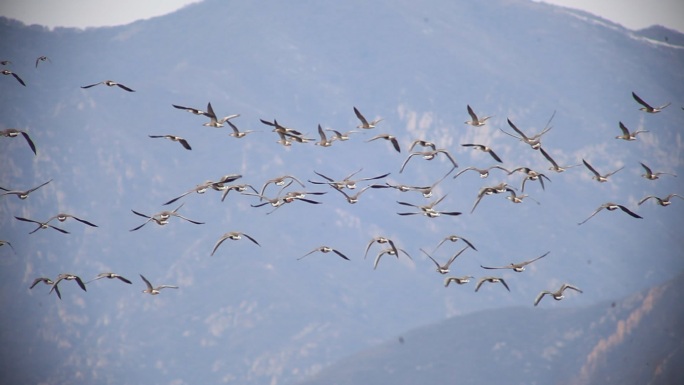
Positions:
(633, 14)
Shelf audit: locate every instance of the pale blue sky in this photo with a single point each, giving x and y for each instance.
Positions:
(633, 14)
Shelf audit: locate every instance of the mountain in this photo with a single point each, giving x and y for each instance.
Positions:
(634, 340)
(255, 313)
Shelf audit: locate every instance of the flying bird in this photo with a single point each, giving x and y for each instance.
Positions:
(13, 133)
(598, 177)
(484, 172)
(389, 251)
(42, 58)
(422, 143)
(41, 225)
(8, 72)
(457, 280)
(110, 83)
(429, 155)
(454, 238)
(109, 275)
(557, 295)
(324, 142)
(661, 201)
(484, 148)
(233, 236)
(647, 107)
(162, 218)
(388, 137)
(491, 280)
(236, 132)
(155, 290)
(474, 120)
(444, 269)
(324, 249)
(174, 138)
(650, 175)
(533, 141)
(44, 280)
(612, 207)
(517, 267)
(213, 120)
(364, 123)
(341, 136)
(191, 109)
(381, 240)
(63, 217)
(554, 166)
(3, 243)
(628, 135)
(67, 277)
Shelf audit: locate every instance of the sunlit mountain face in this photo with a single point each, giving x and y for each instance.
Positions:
(254, 312)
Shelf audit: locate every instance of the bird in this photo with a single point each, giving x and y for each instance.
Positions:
(598, 177)
(213, 120)
(454, 238)
(162, 218)
(429, 155)
(341, 136)
(517, 267)
(44, 280)
(474, 120)
(557, 295)
(364, 123)
(389, 251)
(612, 207)
(13, 132)
(351, 199)
(489, 190)
(234, 236)
(513, 197)
(389, 137)
(155, 290)
(199, 189)
(555, 167)
(63, 217)
(491, 280)
(324, 249)
(484, 172)
(444, 269)
(381, 240)
(8, 72)
(428, 210)
(191, 109)
(174, 138)
(533, 141)
(236, 132)
(347, 182)
(647, 107)
(650, 175)
(280, 181)
(67, 277)
(324, 142)
(41, 225)
(110, 276)
(3, 243)
(626, 134)
(426, 191)
(241, 188)
(42, 58)
(109, 83)
(422, 143)
(530, 175)
(5, 62)
(459, 280)
(661, 201)
(484, 148)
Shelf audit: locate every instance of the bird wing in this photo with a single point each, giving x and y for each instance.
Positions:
(340, 254)
(628, 211)
(91, 85)
(516, 129)
(361, 117)
(122, 279)
(251, 239)
(19, 79)
(591, 168)
(30, 142)
(473, 117)
(624, 129)
(147, 283)
(124, 87)
(540, 296)
(568, 286)
(184, 143)
(532, 260)
(83, 221)
(411, 155)
(504, 283)
(594, 213)
(641, 101)
(452, 259)
(219, 242)
(548, 157)
(496, 157)
(37, 187)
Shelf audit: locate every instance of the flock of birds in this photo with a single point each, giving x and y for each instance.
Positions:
(277, 192)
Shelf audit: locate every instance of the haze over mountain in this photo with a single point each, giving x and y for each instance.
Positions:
(254, 314)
